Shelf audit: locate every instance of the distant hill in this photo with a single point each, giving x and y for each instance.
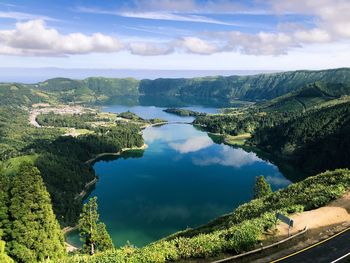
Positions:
(318, 140)
(311, 96)
(252, 88)
(95, 89)
(226, 90)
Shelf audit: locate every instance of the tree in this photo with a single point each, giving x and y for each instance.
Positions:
(93, 233)
(35, 233)
(104, 241)
(4, 258)
(261, 187)
(4, 204)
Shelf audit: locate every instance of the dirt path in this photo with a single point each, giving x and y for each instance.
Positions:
(335, 213)
(323, 222)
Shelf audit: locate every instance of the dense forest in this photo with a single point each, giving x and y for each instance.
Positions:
(315, 141)
(257, 87)
(79, 121)
(184, 112)
(60, 159)
(27, 222)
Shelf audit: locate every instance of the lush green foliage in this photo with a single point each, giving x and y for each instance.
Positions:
(61, 160)
(257, 87)
(4, 258)
(245, 121)
(93, 233)
(63, 166)
(31, 230)
(79, 121)
(17, 136)
(184, 112)
(261, 187)
(315, 95)
(90, 90)
(315, 141)
(130, 116)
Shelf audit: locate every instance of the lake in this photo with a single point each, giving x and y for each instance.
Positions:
(183, 179)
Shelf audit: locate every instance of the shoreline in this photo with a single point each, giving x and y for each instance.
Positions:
(66, 230)
(90, 161)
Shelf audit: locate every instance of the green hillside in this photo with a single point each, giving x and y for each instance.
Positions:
(314, 141)
(90, 90)
(257, 87)
(315, 95)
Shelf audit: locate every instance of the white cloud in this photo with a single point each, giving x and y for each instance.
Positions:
(197, 46)
(150, 49)
(34, 38)
(331, 22)
(172, 17)
(193, 144)
(229, 157)
(159, 14)
(24, 16)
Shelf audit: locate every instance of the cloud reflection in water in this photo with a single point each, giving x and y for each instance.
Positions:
(228, 156)
(192, 145)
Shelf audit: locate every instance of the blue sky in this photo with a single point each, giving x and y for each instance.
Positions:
(176, 34)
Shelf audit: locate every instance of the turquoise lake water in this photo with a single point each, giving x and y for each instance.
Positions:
(183, 179)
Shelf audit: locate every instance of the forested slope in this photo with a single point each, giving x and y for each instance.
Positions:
(257, 87)
(61, 160)
(316, 141)
(90, 90)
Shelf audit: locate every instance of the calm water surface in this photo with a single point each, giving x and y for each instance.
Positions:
(182, 180)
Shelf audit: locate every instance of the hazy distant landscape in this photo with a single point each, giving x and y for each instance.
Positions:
(33, 75)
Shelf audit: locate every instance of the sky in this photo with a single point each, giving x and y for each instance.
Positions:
(175, 34)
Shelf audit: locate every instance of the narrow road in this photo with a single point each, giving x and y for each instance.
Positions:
(333, 249)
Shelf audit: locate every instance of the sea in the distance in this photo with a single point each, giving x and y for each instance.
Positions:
(183, 179)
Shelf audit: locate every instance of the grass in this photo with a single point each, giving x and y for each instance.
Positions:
(111, 116)
(238, 139)
(11, 165)
(77, 132)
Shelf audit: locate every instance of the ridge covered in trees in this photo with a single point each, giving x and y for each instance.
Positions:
(30, 228)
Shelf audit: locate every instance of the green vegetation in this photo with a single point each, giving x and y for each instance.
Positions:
(309, 129)
(31, 231)
(3, 256)
(133, 117)
(238, 139)
(62, 163)
(251, 88)
(79, 121)
(184, 112)
(90, 90)
(236, 232)
(261, 187)
(94, 233)
(314, 141)
(315, 95)
(61, 160)
(130, 116)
